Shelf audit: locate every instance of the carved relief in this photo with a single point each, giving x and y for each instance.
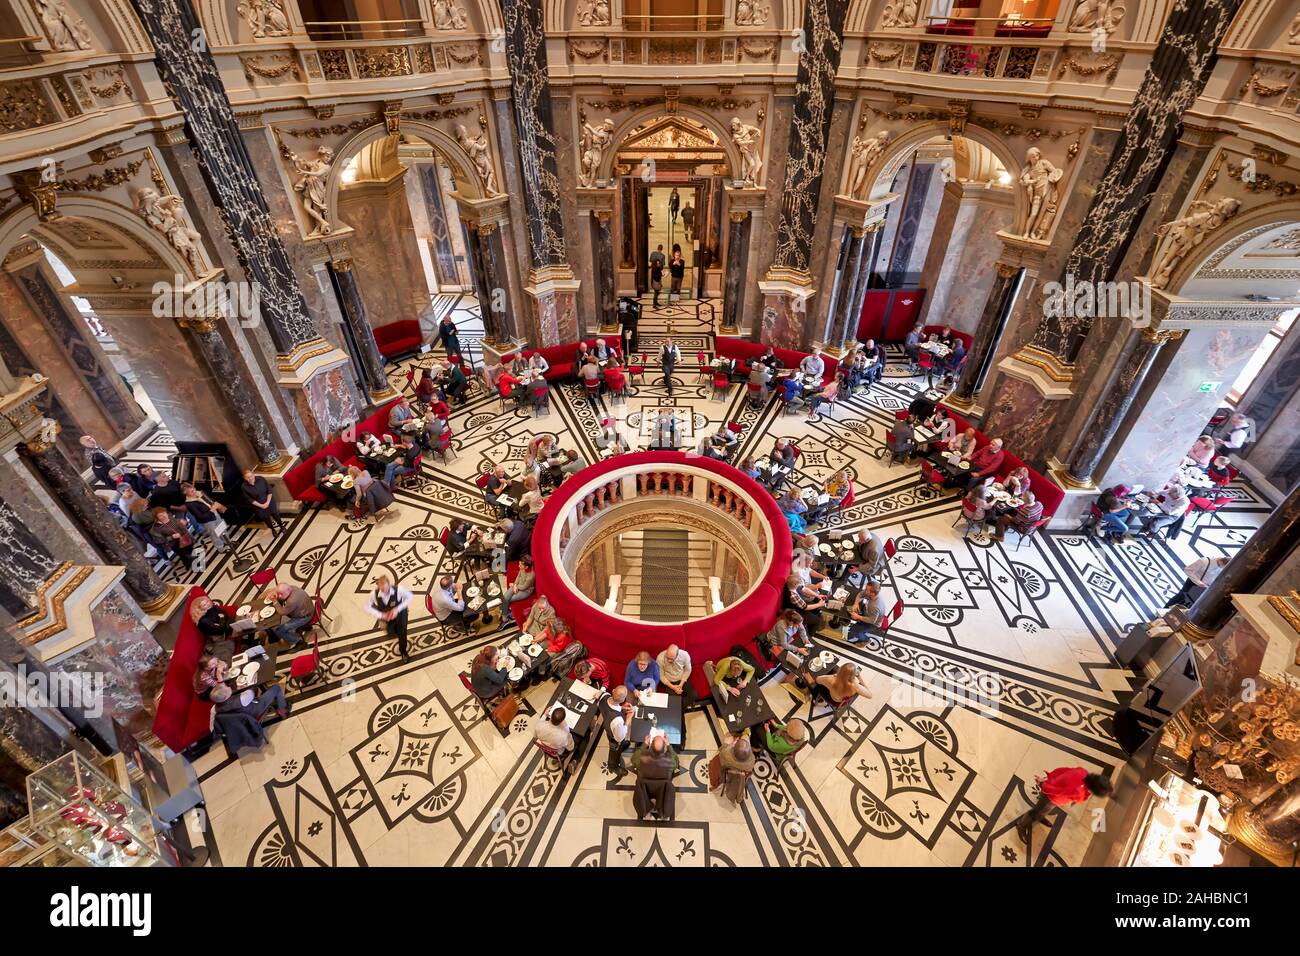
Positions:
(24, 105)
(1090, 15)
(166, 214)
(66, 31)
(1293, 31)
(1183, 235)
(481, 154)
(312, 176)
(749, 140)
(265, 18)
(449, 16)
(862, 154)
(594, 13)
(900, 14)
(1040, 181)
(752, 13)
(595, 139)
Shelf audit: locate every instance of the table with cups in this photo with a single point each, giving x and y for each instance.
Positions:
(522, 660)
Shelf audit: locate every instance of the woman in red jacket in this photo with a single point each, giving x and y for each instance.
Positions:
(1062, 787)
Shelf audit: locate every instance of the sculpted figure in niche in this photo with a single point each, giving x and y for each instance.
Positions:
(863, 153)
(1184, 235)
(594, 141)
(1039, 179)
(900, 13)
(1091, 14)
(265, 18)
(67, 31)
(481, 154)
(448, 16)
(312, 177)
(594, 13)
(1293, 31)
(167, 215)
(749, 139)
(752, 13)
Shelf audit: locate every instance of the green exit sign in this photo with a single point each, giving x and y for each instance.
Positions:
(1210, 386)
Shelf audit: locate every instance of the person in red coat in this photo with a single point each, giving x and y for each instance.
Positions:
(1061, 788)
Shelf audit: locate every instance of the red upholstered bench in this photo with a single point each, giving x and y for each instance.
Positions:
(398, 338)
(182, 717)
(301, 478)
(966, 337)
(559, 358)
(746, 352)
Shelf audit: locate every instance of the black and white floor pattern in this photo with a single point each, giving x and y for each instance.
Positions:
(391, 763)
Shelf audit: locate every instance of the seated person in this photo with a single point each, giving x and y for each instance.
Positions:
(904, 439)
(825, 395)
(329, 465)
(955, 358)
(592, 671)
(602, 352)
(920, 408)
(655, 764)
(782, 455)
(769, 360)
(855, 370)
(552, 732)
(946, 337)
(912, 343)
(1220, 470)
(457, 384)
(210, 672)
(781, 739)
(838, 487)
(399, 413)
(407, 462)
(791, 389)
(531, 501)
(1021, 519)
(791, 503)
(213, 621)
(424, 388)
(747, 467)
(537, 363)
(736, 763)
(507, 385)
(497, 482)
(761, 376)
(732, 675)
(249, 705)
(447, 601)
(675, 673)
(724, 440)
(570, 462)
(1116, 509)
(521, 589)
(975, 507)
(458, 533)
(1202, 451)
(870, 553)
(611, 437)
(485, 677)
(802, 597)
(866, 612)
(875, 360)
(541, 617)
(787, 635)
(642, 675)
(841, 687)
(1017, 481)
(1172, 505)
(298, 609)
(539, 393)
(944, 427)
(813, 365)
(984, 464)
(963, 446)
(615, 380)
(589, 373)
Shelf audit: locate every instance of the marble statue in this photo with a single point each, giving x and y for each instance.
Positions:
(594, 13)
(312, 177)
(1040, 180)
(448, 15)
(752, 13)
(900, 13)
(167, 215)
(595, 139)
(481, 153)
(1293, 31)
(1091, 14)
(67, 31)
(863, 153)
(266, 18)
(1183, 235)
(749, 139)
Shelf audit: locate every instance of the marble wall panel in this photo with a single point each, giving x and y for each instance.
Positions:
(966, 287)
(385, 256)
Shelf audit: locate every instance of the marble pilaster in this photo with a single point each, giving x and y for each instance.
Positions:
(606, 296)
(839, 308)
(733, 281)
(353, 307)
(485, 225)
(428, 176)
(27, 566)
(1007, 285)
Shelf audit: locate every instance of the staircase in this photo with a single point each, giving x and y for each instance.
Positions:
(667, 575)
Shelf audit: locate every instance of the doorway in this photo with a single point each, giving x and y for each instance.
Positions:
(670, 218)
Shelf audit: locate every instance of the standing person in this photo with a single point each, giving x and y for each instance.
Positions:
(677, 272)
(674, 204)
(258, 493)
(172, 537)
(1201, 573)
(688, 221)
(617, 710)
(669, 356)
(1062, 787)
(657, 261)
(392, 606)
(100, 461)
(449, 336)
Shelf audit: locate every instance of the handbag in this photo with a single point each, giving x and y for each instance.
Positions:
(505, 711)
(715, 772)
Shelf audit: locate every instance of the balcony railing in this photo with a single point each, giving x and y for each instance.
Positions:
(363, 29)
(654, 49)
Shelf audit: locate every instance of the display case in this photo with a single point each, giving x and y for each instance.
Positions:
(1182, 825)
(75, 806)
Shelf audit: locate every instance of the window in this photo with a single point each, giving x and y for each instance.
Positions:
(1262, 354)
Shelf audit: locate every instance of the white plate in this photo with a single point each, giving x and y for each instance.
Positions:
(525, 640)
(244, 610)
(516, 673)
(827, 656)
(505, 663)
(535, 651)
(472, 592)
(513, 648)
(266, 612)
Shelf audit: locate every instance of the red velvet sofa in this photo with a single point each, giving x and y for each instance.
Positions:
(618, 640)
(301, 478)
(745, 352)
(1045, 490)
(965, 337)
(398, 338)
(559, 358)
(182, 717)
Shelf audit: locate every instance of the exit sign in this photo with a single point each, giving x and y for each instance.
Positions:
(1210, 386)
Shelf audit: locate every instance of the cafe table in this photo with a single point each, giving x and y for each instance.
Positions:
(247, 672)
(580, 712)
(530, 666)
(658, 711)
(744, 710)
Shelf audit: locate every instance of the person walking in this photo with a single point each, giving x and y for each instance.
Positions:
(1063, 787)
(677, 271)
(392, 606)
(669, 356)
(657, 261)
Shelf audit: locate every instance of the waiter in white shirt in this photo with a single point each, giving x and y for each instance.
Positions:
(669, 356)
(392, 606)
(1201, 573)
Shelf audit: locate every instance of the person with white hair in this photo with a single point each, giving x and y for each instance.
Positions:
(736, 762)
(655, 763)
(298, 608)
(602, 351)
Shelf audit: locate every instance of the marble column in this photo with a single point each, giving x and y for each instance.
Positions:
(429, 178)
(606, 296)
(1139, 353)
(1269, 547)
(353, 307)
(733, 280)
(94, 520)
(840, 307)
(551, 285)
(1180, 65)
(984, 344)
(235, 389)
(27, 564)
(487, 266)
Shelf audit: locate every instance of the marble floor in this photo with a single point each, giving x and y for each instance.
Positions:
(390, 762)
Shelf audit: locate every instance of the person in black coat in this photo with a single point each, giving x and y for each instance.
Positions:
(518, 538)
(258, 494)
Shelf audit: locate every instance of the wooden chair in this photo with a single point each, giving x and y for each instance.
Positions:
(1033, 530)
(498, 709)
(306, 668)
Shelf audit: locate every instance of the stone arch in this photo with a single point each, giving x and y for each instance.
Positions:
(656, 112)
(905, 144)
(467, 178)
(1248, 231)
